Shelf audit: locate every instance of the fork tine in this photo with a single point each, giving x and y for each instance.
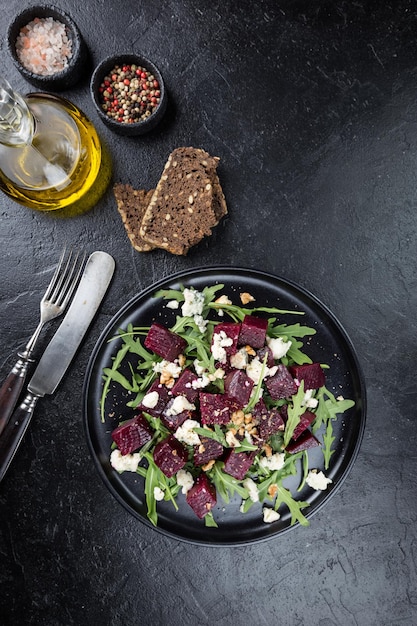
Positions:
(71, 281)
(65, 279)
(55, 280)
(62, 280)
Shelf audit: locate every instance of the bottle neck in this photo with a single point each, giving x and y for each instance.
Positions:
(16, 120)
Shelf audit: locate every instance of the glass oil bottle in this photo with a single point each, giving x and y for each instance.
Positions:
(51, 157)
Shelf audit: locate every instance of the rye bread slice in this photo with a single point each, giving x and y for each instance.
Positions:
(131, 204)
(182, 209)
(219, 201)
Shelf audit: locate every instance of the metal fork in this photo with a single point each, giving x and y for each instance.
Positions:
(52, 305)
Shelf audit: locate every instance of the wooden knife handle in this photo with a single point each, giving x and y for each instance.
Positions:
(11, 390)
(14, 431)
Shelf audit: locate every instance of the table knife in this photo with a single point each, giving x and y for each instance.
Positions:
(60, 351)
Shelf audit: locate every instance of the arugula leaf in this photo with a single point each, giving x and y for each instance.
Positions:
(209, 520)
(295, 411)
(238, 313)
(305, 470)
(210, 292)
(107, 378)
(245, 446)
(217, 434)
(151, 481)
(295, 354)
(328, 409)
(117, 377)
(291, 331)
(156, 478)
(170, 294)
(225, 484)
(295, 507)
(282, 496)
(327, 444)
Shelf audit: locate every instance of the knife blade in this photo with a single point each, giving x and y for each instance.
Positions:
(60, 351)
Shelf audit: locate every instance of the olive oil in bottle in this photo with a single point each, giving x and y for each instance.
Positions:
(51, 157)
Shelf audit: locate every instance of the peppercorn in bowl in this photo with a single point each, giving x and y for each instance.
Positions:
(129, 94)
(47, 48)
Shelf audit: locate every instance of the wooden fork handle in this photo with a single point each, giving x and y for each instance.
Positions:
(11, 390)
(15, 430)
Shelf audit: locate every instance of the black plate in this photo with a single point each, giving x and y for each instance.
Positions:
(329, 345)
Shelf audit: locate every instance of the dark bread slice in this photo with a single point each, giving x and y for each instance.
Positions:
(131, 204)
(183, 208)
(219, 201)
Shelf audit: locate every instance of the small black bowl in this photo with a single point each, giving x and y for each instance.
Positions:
(105, 69)
(77, 63)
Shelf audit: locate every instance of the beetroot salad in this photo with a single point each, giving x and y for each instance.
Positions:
(224, 404)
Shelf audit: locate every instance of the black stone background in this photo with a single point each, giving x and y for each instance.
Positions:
(311, 106)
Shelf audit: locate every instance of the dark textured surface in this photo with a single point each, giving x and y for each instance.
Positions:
(311, 107)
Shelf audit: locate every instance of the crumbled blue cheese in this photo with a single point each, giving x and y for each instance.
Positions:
(240, 359)
(150, 400)
(193, 302)
(273, 462)
(201, 382)
(308, 400)
(278, 346)
(204, 376)
(317, 480)
(124, 462)
(158, 494)
(250, 485)
(173, 304)
(219, 343)
(179, 405)
(184, 480)
(270, 515)
(254, 370)
(193, 307)
(201, 323)
(186, 434)
(168, 368)
(199, 367)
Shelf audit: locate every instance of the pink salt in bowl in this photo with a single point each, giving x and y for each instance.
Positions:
(47, 48)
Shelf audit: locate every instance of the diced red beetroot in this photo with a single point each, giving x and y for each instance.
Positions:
(253, 332)
(312, 374)
(305, 420)
(174, 420)
(281, 384)
(284, 412)
(259, 409)
(231, 330)
(164, 342)
(237, 464)
(170, 456)
(270, 361)
(132, 435)
(304, 442)
(202, 496)
(270, 423)
(207, 450)
(184, 386)
(163, 397)
(215, 408)
(238, 387)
